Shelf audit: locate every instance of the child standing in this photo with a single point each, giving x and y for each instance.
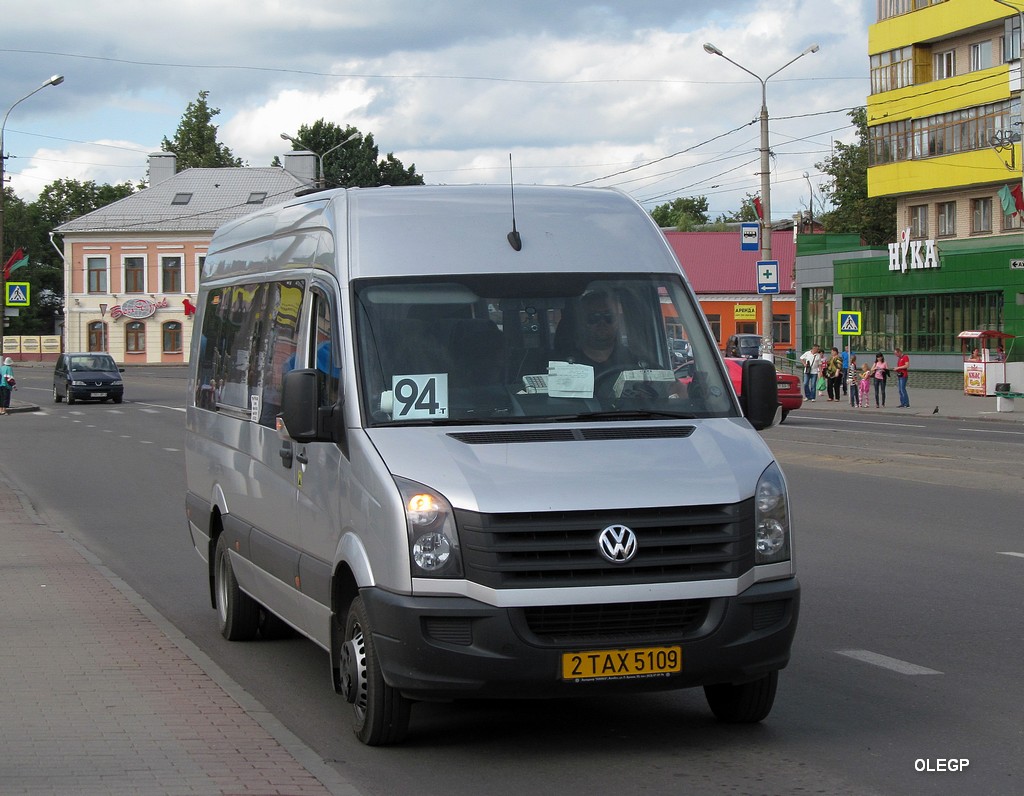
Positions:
(852, 379)
(865, 386)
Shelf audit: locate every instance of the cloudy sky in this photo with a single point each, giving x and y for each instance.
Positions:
(616, 93)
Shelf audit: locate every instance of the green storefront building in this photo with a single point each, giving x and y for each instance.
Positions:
(917, 295)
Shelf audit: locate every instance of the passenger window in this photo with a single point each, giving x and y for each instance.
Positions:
(324, 348)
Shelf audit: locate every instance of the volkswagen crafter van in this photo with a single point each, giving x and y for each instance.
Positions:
(437, 431)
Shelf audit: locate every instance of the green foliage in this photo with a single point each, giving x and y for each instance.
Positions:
(354, 163)
(747, 212)
(874, 219)
(195, 141)
(28, 225)
(685, 214)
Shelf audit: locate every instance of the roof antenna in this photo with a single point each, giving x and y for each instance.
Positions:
(514, 240)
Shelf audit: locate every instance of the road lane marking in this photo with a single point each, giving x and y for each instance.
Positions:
(873, 423)
(1018, 555)
(991, 431)
(893, 664)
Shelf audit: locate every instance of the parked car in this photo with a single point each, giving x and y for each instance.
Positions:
(790, 389)
(88, 376)
(745, 346)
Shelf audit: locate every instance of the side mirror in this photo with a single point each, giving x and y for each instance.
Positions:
(304, 418)
(759, 393)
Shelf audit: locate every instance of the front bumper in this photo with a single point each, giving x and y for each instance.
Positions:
(455, 647)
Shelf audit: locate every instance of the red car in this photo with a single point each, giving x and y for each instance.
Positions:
(791, 394)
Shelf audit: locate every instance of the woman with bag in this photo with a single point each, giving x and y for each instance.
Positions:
(880, 372)
(6, 385)
(834, 375)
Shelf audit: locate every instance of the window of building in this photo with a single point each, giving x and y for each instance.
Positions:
(134, 274)
(946, 219)
(181, 199)
(926, 323)
(918, 221)
(171, 337)
(135, 337)
(96, 274)
(256, 198)
(944, 65)
(715, 322)
(981, 55)
(1012, 221)
(1011, 38)
(781, 331)
(170, 274)
(981, 215)
(818, 321)
(892, 70)
(97, 336)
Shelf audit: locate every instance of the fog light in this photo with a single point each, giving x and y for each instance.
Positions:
(431, 552)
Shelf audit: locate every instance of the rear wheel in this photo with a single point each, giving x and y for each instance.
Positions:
(743, 703)
(238, 613)
(381, 713)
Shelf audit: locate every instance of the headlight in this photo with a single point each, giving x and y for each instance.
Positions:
(771, 518)
(78, 384)
(433, 538)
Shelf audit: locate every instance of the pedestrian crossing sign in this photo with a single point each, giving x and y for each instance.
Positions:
(849, 322)
(16, 294)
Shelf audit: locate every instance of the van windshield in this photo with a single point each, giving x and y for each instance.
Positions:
(528, 347)
(93, 362)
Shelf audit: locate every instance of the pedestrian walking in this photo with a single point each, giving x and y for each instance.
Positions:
(812, 367)
(902, 372)
(865, 386)
(880, 374)
(6, 385)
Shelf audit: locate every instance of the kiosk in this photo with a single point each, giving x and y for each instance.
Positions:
(985, 352)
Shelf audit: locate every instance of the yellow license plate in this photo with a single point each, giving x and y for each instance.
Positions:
(627, 663)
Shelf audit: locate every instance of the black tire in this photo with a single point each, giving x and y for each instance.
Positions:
(56, 395)
(380, 712)
(744, 703)
(69, 396)
(274, 628)
(118, 399)
(237, 612)
(785, 414)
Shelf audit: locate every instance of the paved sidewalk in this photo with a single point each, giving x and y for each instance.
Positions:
(101, 695)
(923, 403)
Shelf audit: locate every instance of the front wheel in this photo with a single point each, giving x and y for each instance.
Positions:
(743, 703)
(70, 396)
(380, 712)
(237, 612)
(56, 395)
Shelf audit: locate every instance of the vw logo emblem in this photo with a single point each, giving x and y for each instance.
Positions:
(617, 543)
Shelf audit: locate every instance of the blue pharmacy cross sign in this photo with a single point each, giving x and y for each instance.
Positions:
(768, 276)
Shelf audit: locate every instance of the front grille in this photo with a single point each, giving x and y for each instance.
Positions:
(560, 549)
(617, 622)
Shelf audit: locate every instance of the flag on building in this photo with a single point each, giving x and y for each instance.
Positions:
(757, 207)
(1007, 201)
(14, 262)
(1018, 197)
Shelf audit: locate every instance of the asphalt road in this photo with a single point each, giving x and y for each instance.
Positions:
(908, 653)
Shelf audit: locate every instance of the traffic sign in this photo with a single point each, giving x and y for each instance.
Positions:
(768, 276)
(848, 322)
(750, 237)
(16, 294)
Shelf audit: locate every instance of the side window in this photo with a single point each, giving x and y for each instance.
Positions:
(324, 347)
(249, 339)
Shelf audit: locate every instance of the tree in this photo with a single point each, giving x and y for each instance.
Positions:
(874, 219)
(355, 163)
(195, 141)
(64, 200)
(747, 212)
(685, 214)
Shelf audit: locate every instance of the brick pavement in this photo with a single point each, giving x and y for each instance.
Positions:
(97, 697)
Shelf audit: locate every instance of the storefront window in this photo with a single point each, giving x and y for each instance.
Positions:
(818, 327)
(172, 337)
(135, 337)
(926, 323)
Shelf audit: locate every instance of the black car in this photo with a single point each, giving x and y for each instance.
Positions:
(87, 377)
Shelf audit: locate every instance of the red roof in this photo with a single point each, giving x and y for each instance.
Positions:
(714, 263)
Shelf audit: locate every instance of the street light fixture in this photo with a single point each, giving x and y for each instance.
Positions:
(767, 343)
(321, 182)
(54, 80)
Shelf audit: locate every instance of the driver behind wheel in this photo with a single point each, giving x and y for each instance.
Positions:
(598, 342)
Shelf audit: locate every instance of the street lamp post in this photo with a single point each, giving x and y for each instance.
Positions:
(321, 182)
(55, 80)
(767, 332)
